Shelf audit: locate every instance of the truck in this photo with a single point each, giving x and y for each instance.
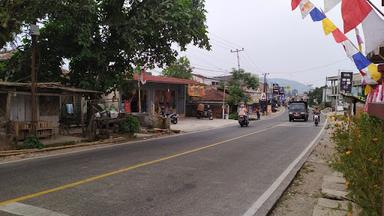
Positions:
(298, 110)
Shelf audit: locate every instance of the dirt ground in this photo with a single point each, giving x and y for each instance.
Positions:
(301, 196)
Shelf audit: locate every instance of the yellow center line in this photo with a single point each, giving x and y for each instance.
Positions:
(126, 169)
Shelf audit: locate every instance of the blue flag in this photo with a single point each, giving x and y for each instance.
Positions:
(361, 61)
(317, 15)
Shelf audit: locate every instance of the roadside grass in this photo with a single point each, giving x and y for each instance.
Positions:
(359, 148)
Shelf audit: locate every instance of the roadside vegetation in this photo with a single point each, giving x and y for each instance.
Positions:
(130, 126)
(359, 145)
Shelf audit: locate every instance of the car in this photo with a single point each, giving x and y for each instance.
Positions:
(298, 110)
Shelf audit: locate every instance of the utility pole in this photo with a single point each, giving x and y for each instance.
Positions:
(266, 92)
(224, 101)
(34, 34)
(238, 57)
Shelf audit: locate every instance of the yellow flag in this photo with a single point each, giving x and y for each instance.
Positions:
(328, 26)
(374, 72)
(368, 89)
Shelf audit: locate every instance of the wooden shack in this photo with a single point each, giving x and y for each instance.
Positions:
(15, 107)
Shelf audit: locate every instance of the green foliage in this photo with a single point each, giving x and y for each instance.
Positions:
(233, 116)
(32, 142)
(359, 145)
(103, 40)
(180, 69)
(131, 125)
(315, 94)
(239, 81)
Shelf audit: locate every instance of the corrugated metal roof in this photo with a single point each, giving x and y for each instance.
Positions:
(164, 79)
(53, 86)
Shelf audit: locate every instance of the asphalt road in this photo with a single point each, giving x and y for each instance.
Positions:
(217, 172)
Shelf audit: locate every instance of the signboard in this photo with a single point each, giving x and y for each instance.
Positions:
(346, 82)
(196, 90)
(276, 88)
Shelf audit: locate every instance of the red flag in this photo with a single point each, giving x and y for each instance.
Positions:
(339, 36)
(295, 3)
(354, 12)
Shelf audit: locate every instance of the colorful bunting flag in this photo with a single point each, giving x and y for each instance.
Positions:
(328, 26)
(367, 80)
(359, 40)
(330, 4)
(317, 15)
(361, 61)
(306, 7)
(339, 36)
(368, 89)
(374, 72)
(295, 3)
(350, 49)
(373, 27)
(354, 12)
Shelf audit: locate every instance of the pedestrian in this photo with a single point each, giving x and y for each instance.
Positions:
(258, 113)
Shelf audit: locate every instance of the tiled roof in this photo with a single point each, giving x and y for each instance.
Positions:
(164, 79)
(211, 94)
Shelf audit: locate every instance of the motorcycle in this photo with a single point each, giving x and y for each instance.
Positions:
(205, 114)
(172, 116)
(316, 119)
(243, 121)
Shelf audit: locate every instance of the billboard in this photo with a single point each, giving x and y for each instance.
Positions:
(346, 82)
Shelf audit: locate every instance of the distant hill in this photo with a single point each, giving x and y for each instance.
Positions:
(294, 84)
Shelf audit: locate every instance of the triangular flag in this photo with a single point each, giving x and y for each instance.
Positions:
(367, 79)
(354, 12)
(295, 3)
(361, 61)
(339, 36)
(317, 15)
(350, 49)
(329, 4)
(306, 7)
(368, 89)
(359, 40)
(373, 27)
(328, 26)
(374, 72)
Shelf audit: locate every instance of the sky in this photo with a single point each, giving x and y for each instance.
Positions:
(275, 41)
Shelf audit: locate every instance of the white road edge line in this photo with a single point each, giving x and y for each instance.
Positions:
(121, 144)
(28, 210)
(265, 196)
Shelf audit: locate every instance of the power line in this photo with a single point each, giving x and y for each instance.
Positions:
(313, 68)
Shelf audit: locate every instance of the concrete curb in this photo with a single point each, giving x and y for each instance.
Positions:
(263, 207)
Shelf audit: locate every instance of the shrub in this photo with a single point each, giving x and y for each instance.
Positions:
(130, 125)
(359, 145)
(233, 116)
(32, 142)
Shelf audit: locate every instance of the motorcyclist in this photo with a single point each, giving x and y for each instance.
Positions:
(243, 110)
(316, 111)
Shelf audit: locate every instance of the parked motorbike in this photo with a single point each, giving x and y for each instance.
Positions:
(207, 113)
(172, 116)
(243, 121)
(316, 119)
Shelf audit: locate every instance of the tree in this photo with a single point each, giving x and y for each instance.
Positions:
(315, 95)
(240, 81)
(102, 39)
(180, 69)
